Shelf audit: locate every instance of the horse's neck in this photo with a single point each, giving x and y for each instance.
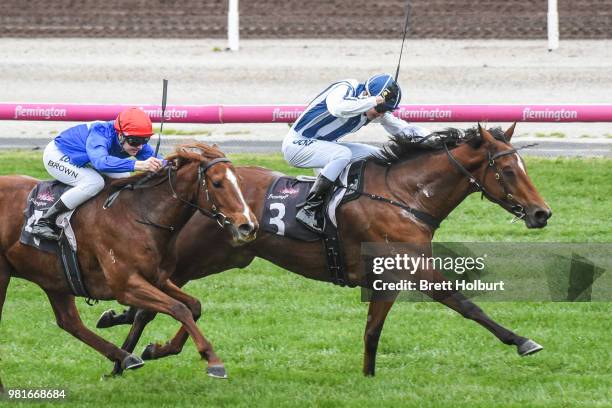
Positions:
(158, 203)
(254, 184)
(431, 182)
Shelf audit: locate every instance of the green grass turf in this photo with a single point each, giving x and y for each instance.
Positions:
(288, 341)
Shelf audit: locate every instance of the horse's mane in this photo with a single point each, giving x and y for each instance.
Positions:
(402, 147)
(183, 154)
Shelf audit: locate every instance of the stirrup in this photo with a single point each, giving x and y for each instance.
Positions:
(310, 222)
(45, 232)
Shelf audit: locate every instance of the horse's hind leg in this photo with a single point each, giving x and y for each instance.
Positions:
(155, 351)
(469, 310)
(142, 294)
(68, 318)
(141, 319)
(5, 277)
(377, 313)
(109, 318)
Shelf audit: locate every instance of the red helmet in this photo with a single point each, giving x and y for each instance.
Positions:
(134, 122)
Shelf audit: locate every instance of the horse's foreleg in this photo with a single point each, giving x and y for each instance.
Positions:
(68, 318)
(468, 309)
(109, 318)
(142, 294)
(377, 313)
(175, 345)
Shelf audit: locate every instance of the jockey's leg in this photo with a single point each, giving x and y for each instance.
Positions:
(310, 213)
(86, 183)
(46, 227)
(312, 153)
(360, 151)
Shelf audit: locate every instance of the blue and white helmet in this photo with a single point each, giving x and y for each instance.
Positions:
(384, 85)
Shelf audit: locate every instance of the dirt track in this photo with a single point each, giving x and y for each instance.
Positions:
(292, 71)
(518, 19)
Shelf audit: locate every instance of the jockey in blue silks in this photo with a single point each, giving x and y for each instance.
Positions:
(342, 108)
(79, 154)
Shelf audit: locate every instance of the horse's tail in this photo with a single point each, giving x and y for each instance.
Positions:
(5, 277)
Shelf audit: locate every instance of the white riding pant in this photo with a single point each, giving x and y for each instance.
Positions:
(86, 182)
(332, 157)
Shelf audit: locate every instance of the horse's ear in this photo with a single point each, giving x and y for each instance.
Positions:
(510, 131)
(215, 146)
(485, 135)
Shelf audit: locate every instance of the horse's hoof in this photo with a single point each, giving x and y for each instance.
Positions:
(131, 362)
(528, 347)
(106, 319)
(216, 371)
(116, 373)
(147, 353)
(117, 370)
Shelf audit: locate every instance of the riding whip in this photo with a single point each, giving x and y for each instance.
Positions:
(403, 38)
(163, 115)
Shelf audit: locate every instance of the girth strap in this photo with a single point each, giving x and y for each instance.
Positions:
(72, 272)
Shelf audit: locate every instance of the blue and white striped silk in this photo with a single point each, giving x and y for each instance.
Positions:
(335, 112)
(340, 110)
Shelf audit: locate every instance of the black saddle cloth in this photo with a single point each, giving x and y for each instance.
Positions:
(42, 196)
(286, 193)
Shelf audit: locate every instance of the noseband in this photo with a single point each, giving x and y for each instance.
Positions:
(214, 212)
(508, 201)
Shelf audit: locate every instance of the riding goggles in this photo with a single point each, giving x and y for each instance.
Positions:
(136, 141)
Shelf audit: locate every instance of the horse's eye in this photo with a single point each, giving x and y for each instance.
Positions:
(216, 184)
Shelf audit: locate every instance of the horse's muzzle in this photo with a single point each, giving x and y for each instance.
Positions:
(244, 233)
(537, 217)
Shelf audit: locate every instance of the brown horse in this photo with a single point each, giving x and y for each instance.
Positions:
(122, 250)
(434, 183)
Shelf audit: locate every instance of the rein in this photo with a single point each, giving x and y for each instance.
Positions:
(428, 219)
(215, 214)
(510, 203)
(423, 216)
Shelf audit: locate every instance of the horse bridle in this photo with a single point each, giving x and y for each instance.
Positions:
(214, 212)
(508, 201)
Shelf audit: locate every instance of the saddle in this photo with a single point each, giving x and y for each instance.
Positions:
(42, 196)
(285, 194)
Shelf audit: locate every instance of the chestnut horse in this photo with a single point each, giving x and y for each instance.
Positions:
(433, 182)
(122, 250)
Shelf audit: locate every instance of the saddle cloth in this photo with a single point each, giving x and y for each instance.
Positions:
(42, 196)
(286, 193)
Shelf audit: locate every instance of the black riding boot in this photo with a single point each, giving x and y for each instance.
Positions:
(311, 214)
(45, 226)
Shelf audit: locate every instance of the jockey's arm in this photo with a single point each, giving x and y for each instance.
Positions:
(341, 104)
(101, 160)
(399, 127)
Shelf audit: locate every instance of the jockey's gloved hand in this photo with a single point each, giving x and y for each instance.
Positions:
(390, 93)
(389, 96)
(151, 164)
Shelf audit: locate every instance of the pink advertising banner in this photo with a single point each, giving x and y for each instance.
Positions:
(289, 113)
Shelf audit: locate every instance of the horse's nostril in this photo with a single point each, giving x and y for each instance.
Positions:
(542, 215)
(245, 229)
